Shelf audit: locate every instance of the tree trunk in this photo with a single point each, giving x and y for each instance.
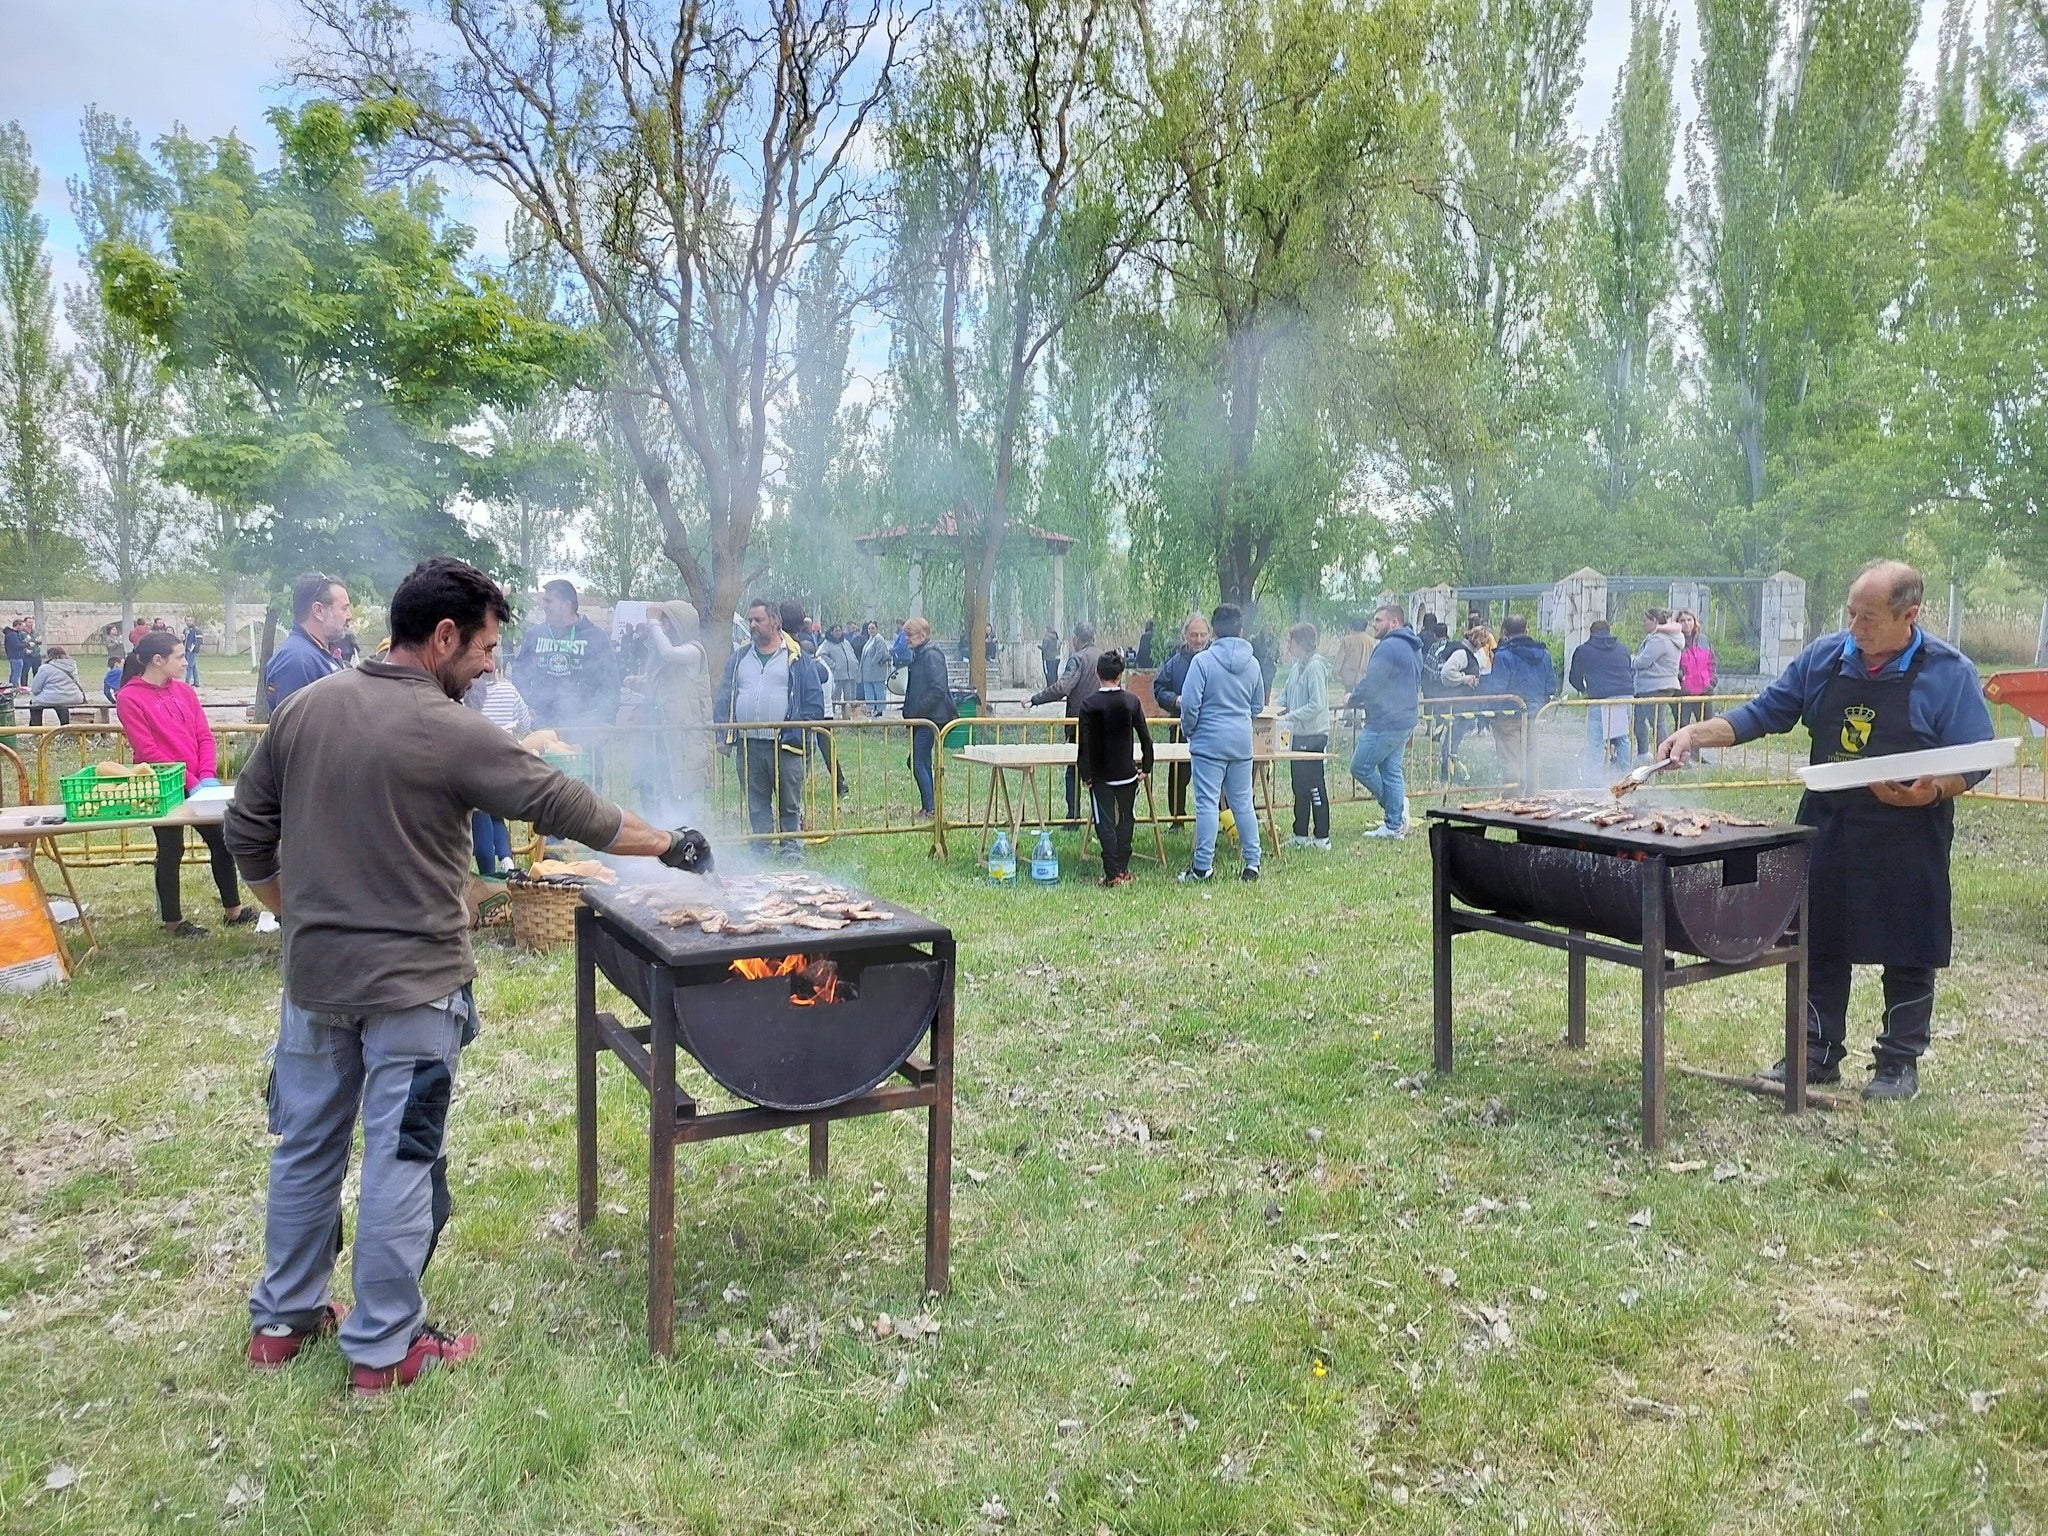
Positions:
(261, 709)
(1236, 567)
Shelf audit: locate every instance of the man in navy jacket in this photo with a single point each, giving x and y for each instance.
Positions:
(1522, 667)
(1390, 693)
(320, 617)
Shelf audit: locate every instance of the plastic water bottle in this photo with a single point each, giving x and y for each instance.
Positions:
(1002, 861)
(1045, 864)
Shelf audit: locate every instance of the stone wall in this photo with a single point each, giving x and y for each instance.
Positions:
(75, 625)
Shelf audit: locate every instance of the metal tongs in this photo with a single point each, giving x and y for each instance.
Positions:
(1642, 776)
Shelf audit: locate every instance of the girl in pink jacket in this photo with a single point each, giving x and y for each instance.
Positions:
(1695, 667)
(164, 723)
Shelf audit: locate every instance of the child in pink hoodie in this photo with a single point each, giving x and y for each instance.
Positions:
(164, 723)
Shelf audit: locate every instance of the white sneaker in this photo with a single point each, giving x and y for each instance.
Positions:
(1301, 842)
(1320, 842)
(1384, 831)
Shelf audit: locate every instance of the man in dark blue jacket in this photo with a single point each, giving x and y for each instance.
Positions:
(17, 654)
(1601, 668)
(1390, 693)
(767, 685)
(320, 617)
(1522, 667)
(1166, 686)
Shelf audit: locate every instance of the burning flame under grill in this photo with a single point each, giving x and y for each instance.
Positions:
(811, 980)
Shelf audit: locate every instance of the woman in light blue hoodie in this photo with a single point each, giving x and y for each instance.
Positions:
(1224, 689)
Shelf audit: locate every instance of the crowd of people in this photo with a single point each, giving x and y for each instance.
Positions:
(49, 678)
(765, 708)
(1392, 679)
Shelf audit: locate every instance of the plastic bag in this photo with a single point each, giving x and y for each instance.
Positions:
(30, 955)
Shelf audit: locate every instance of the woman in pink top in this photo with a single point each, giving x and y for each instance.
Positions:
(1695, 667)
(165, 724)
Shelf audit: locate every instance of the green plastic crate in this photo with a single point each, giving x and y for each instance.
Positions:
(574, 765)
(88, 797)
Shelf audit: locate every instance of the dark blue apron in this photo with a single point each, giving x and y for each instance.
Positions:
(1879, 884)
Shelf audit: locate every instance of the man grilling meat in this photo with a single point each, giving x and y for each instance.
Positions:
(1879, 885)
(351, 821)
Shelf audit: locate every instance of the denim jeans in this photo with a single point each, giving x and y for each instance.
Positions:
(17, 671)
(876, 694)
(1376, 764)
(492, 840)
(922, 738)
(1216, 782)
(192, 671)
(1603, 751)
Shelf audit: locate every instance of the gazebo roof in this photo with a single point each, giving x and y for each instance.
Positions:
(944, 535)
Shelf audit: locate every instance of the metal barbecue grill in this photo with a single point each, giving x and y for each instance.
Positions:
(795, 1061)
(1733, 895)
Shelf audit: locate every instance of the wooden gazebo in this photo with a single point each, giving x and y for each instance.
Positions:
(941, 539)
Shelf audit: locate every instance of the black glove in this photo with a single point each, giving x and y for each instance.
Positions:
(688, 850)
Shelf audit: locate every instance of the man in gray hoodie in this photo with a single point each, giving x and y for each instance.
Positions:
(1224, 689)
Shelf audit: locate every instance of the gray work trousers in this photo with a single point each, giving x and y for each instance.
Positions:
(774, 782)
(398, 1071)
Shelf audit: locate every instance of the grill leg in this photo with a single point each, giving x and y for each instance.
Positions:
(1795, 1020)
(586, 1072)
(1653, 1002)
(661, 1175)
(1440, 943)
(1575, 997)
(938, 1157)
(821, 1149)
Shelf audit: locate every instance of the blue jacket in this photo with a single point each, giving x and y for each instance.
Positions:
(16, 641)
(1167, 681)
(806, 695)
(1601, 668)
(899, 650)
(1224, 689)
(297, 662)
(1948, 700)
(1522, 666)
(1390, 693)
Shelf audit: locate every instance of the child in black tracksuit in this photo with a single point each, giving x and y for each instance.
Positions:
(1112, 724)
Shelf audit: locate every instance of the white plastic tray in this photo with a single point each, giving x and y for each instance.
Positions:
(1904, 767)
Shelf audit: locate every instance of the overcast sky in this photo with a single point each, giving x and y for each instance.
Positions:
(215, 65)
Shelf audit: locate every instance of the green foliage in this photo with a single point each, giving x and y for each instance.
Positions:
(349, 344)
(122, 400)
(34, 385)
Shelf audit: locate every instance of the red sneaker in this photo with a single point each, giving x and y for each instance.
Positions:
(431, 1349)
(274, 1344)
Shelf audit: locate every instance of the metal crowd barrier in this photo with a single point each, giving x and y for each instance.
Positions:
(661, 768)
(1485, 743)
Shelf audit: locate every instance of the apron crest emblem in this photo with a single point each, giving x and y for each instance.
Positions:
(1857, 721)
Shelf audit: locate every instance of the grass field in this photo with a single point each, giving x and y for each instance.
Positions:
(1226, 1256)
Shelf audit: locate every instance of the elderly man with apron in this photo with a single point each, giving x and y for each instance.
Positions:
(1880, 881)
